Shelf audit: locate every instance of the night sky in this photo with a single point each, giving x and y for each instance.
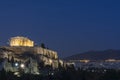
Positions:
(66, 26)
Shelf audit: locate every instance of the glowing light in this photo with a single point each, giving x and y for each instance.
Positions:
(21, 41)
(16, 73)
(37, 73)
(110, 60)
(16, 64)
(85, 61)
(52, 73)
(22, 65)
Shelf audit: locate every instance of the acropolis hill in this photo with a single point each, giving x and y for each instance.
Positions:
(22, 49)
(20, 45)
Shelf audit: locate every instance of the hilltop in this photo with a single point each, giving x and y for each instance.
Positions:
(96, 55)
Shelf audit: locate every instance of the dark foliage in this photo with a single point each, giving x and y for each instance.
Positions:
(66, 74)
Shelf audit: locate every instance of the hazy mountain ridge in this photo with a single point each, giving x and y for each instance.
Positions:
(96, 55)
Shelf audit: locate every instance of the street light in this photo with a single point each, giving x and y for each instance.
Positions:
(22, 65)
(16, 64)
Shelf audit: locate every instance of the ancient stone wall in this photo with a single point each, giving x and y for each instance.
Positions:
(46, 52)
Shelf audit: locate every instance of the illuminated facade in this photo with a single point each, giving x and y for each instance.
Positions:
(21, 41)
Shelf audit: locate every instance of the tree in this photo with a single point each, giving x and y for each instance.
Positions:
(43, 45)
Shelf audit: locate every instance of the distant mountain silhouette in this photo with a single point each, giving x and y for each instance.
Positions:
(96, 55)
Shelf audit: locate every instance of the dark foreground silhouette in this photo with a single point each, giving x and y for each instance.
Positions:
(67, 74)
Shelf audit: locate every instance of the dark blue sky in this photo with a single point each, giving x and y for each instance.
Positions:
(67, 26)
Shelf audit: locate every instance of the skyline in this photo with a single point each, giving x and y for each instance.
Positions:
(68, 27)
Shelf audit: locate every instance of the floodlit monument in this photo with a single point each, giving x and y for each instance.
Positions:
(22, 54)
(21, 41)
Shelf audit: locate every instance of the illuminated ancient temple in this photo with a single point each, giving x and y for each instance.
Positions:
(21, 41)
(24, 55)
